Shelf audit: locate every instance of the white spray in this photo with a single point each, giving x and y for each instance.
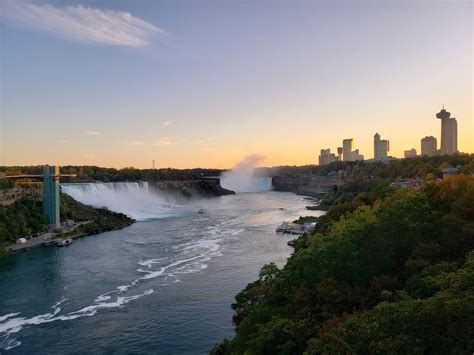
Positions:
(134, 199)
(242, 177)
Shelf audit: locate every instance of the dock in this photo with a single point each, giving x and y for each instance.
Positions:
(295, 228)
(43, 239)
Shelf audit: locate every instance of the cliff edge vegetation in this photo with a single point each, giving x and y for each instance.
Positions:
(393, 273)
(25, 217)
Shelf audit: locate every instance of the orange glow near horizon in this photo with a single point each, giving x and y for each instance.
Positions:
(278, 145)
(281, 80)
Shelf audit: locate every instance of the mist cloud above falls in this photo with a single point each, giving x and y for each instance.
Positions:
(242, 177)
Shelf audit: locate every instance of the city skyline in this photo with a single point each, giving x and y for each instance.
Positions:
(205, 85)
(381, 147)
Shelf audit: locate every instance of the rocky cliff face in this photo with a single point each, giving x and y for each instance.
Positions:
(205, 187)
(315, 186)
(10, 196)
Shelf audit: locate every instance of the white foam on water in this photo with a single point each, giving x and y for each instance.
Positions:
(102, 298)
(15, 325)
(188, 258)
(6, 316)
(9, 343)
(150, 262)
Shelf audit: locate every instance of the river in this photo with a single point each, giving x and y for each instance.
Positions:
(162, 286)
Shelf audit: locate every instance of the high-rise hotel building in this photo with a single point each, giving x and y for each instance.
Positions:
(347, 148)
(326, 157)
(449, 132)
(429, 145)
(381, 147)
(348, 152)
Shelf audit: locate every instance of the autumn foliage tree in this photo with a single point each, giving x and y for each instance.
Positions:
(392, 275)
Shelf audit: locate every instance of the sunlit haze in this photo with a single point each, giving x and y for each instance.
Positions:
(203, 84)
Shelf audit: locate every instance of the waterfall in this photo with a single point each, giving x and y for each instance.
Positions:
(242, 177)
(135, 199)
(246, 183)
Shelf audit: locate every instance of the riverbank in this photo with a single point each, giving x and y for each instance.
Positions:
(24, 218)
(399, 259)
(103, 220)
(139, 289)
(307, 185)
(48, 238)
(21, 212)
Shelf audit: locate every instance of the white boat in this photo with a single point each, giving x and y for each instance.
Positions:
(64, 242)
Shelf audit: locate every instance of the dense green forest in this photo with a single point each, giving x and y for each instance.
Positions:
(95, 173)
(101, 219)
(20, 219)
(386, 271)
(403, 168)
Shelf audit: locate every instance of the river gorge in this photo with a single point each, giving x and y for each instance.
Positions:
(163, 285)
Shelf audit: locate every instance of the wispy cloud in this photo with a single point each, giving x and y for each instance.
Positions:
(91, 133)
(82, 23)
(135, 143)
(165, 141)
(165, 124)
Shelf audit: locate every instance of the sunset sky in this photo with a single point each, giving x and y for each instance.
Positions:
(205, 83)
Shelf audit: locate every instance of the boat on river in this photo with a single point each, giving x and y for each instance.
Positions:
(48, 243)
(64, 242)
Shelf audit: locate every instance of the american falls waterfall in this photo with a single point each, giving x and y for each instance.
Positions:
(135, 199)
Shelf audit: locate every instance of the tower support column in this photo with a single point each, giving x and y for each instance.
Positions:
(51, 195)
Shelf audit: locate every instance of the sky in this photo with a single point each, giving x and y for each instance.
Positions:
(205, 83)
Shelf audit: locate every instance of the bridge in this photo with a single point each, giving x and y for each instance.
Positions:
(51, 204)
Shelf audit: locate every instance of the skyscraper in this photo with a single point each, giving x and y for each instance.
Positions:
(326, 157)
(411, 153)
(429, 145)
(449, 132)
(348, 152)
(347, 148)
(381, 147)
(356, 155)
